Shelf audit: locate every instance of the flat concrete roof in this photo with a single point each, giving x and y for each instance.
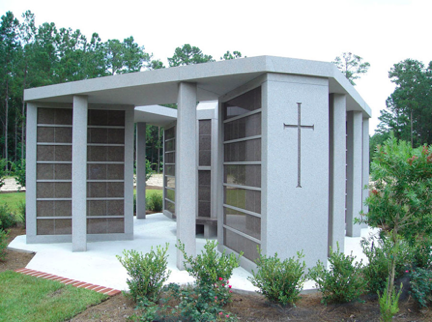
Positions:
(155, 115)
(213, 80)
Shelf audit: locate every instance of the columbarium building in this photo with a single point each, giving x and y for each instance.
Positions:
(275, 156)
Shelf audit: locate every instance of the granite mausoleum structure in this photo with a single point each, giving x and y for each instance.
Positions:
(278, 160)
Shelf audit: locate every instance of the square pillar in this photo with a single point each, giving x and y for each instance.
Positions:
(365, 155)
(79, 173)
(186, 170)
(354, 172)
(31, 146)
(337, 163)
(140, 170)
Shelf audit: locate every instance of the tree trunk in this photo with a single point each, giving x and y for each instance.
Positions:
(6, 124)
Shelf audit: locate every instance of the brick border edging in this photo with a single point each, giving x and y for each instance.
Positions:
(67, 281)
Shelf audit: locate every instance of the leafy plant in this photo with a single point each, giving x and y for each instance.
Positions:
(343, 282)
(4, 234)
(209, 267)
(154, 202)
(421, 286)
(19, 173)
(22, 212)
(377, 251)
(7, 219)
(148, 272)
(3, 163)
(389, 304)
(279, 281)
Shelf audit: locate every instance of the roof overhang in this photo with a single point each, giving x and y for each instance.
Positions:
(213, 80)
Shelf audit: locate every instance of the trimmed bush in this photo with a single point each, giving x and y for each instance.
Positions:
(148, 272)
(343, 282)
(279, 281)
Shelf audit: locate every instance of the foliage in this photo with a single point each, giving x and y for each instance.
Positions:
(421, 286)
(421, 252)
(7, 219)
(279, 281)
(22, 213)
(4, 234)
(148, 272)
(209, 267)
(27, 298)
(352, 66)
(19, 172)
(154, 202)
(3, 164)
(343, 282)
(377, 251)
(408, 111)
(149, 170)
(389, 304)
(229, 56)
(188, 55)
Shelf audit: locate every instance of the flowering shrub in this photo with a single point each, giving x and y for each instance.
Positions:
(421, 286)
(148, 272)
(343, 282)
(279, 281)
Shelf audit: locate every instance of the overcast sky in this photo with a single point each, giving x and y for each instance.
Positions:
(383, 32)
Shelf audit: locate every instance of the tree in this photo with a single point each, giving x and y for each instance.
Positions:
(229, 56)
(408, 110)
(351, 66)
(188, 55)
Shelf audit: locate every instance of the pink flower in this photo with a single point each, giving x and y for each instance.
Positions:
(230, 291)
(227, 282)
(227, 316)
(229, 286)
(223, 284)
(220, 313)
(406, 271)
(220, 278)
(215, 297)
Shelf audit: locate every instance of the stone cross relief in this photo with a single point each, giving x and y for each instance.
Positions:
(299, 127)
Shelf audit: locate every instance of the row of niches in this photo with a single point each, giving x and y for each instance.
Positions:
(54, 134)
(204, 127)
(170, 145)
(54, 153)
(244, 175)
(243, 199)
(63, 208)
(170, 157)
(105, 153)
(249, 150)
(60, 116)
(239, 244)
(59, 171)
(247, 224)
(106, 117)
(105, 226)
(170, 133)
(204, 142)
(242, 104)
(54, 227)
(204, 158)
(204, 209)
(105, 136)
(94, 190)
(242, 128)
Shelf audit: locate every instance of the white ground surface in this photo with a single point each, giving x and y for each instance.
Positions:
(99, 264)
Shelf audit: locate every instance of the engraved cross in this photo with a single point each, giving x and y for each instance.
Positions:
(299, 127)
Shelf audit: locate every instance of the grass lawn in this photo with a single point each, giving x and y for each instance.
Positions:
(12, 199)
(27, 298)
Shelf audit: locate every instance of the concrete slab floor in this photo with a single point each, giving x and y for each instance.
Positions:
(99, 265)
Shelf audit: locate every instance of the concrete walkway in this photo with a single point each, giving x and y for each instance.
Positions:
(100, 266)
(10, 186)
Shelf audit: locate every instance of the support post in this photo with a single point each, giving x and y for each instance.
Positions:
(365, 156)
(31, 146)
(354, 172)
(337, 171)
(79, 173)
(140, 170)
(186, 170)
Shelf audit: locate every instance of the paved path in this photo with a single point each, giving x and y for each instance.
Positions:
(10, 186)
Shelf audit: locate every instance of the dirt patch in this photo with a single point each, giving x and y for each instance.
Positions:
(15, 259)
(248, 307)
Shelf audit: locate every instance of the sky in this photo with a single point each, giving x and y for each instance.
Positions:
(382, 32)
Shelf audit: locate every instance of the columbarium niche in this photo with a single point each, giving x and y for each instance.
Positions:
(242, 173)
(169, 171)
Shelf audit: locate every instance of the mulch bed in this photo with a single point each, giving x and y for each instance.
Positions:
(248, 307)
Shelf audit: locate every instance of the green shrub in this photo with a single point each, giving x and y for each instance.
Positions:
(3, 172)
(421, 286)
(22, 212)
(279, 281)
(343, 282)
(19, 173)
(421, 251)
(377, 251)
(7, 218)
(134, 204)
(389, 304)
(148, 272)
(3, 243)
(209, 267)
(154, 202)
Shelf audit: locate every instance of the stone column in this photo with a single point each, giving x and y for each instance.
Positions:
(186, 170)
(140, 170)
(365, 156)
(31, 146)
(354, 172)
(337, 171)
(79, 174)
